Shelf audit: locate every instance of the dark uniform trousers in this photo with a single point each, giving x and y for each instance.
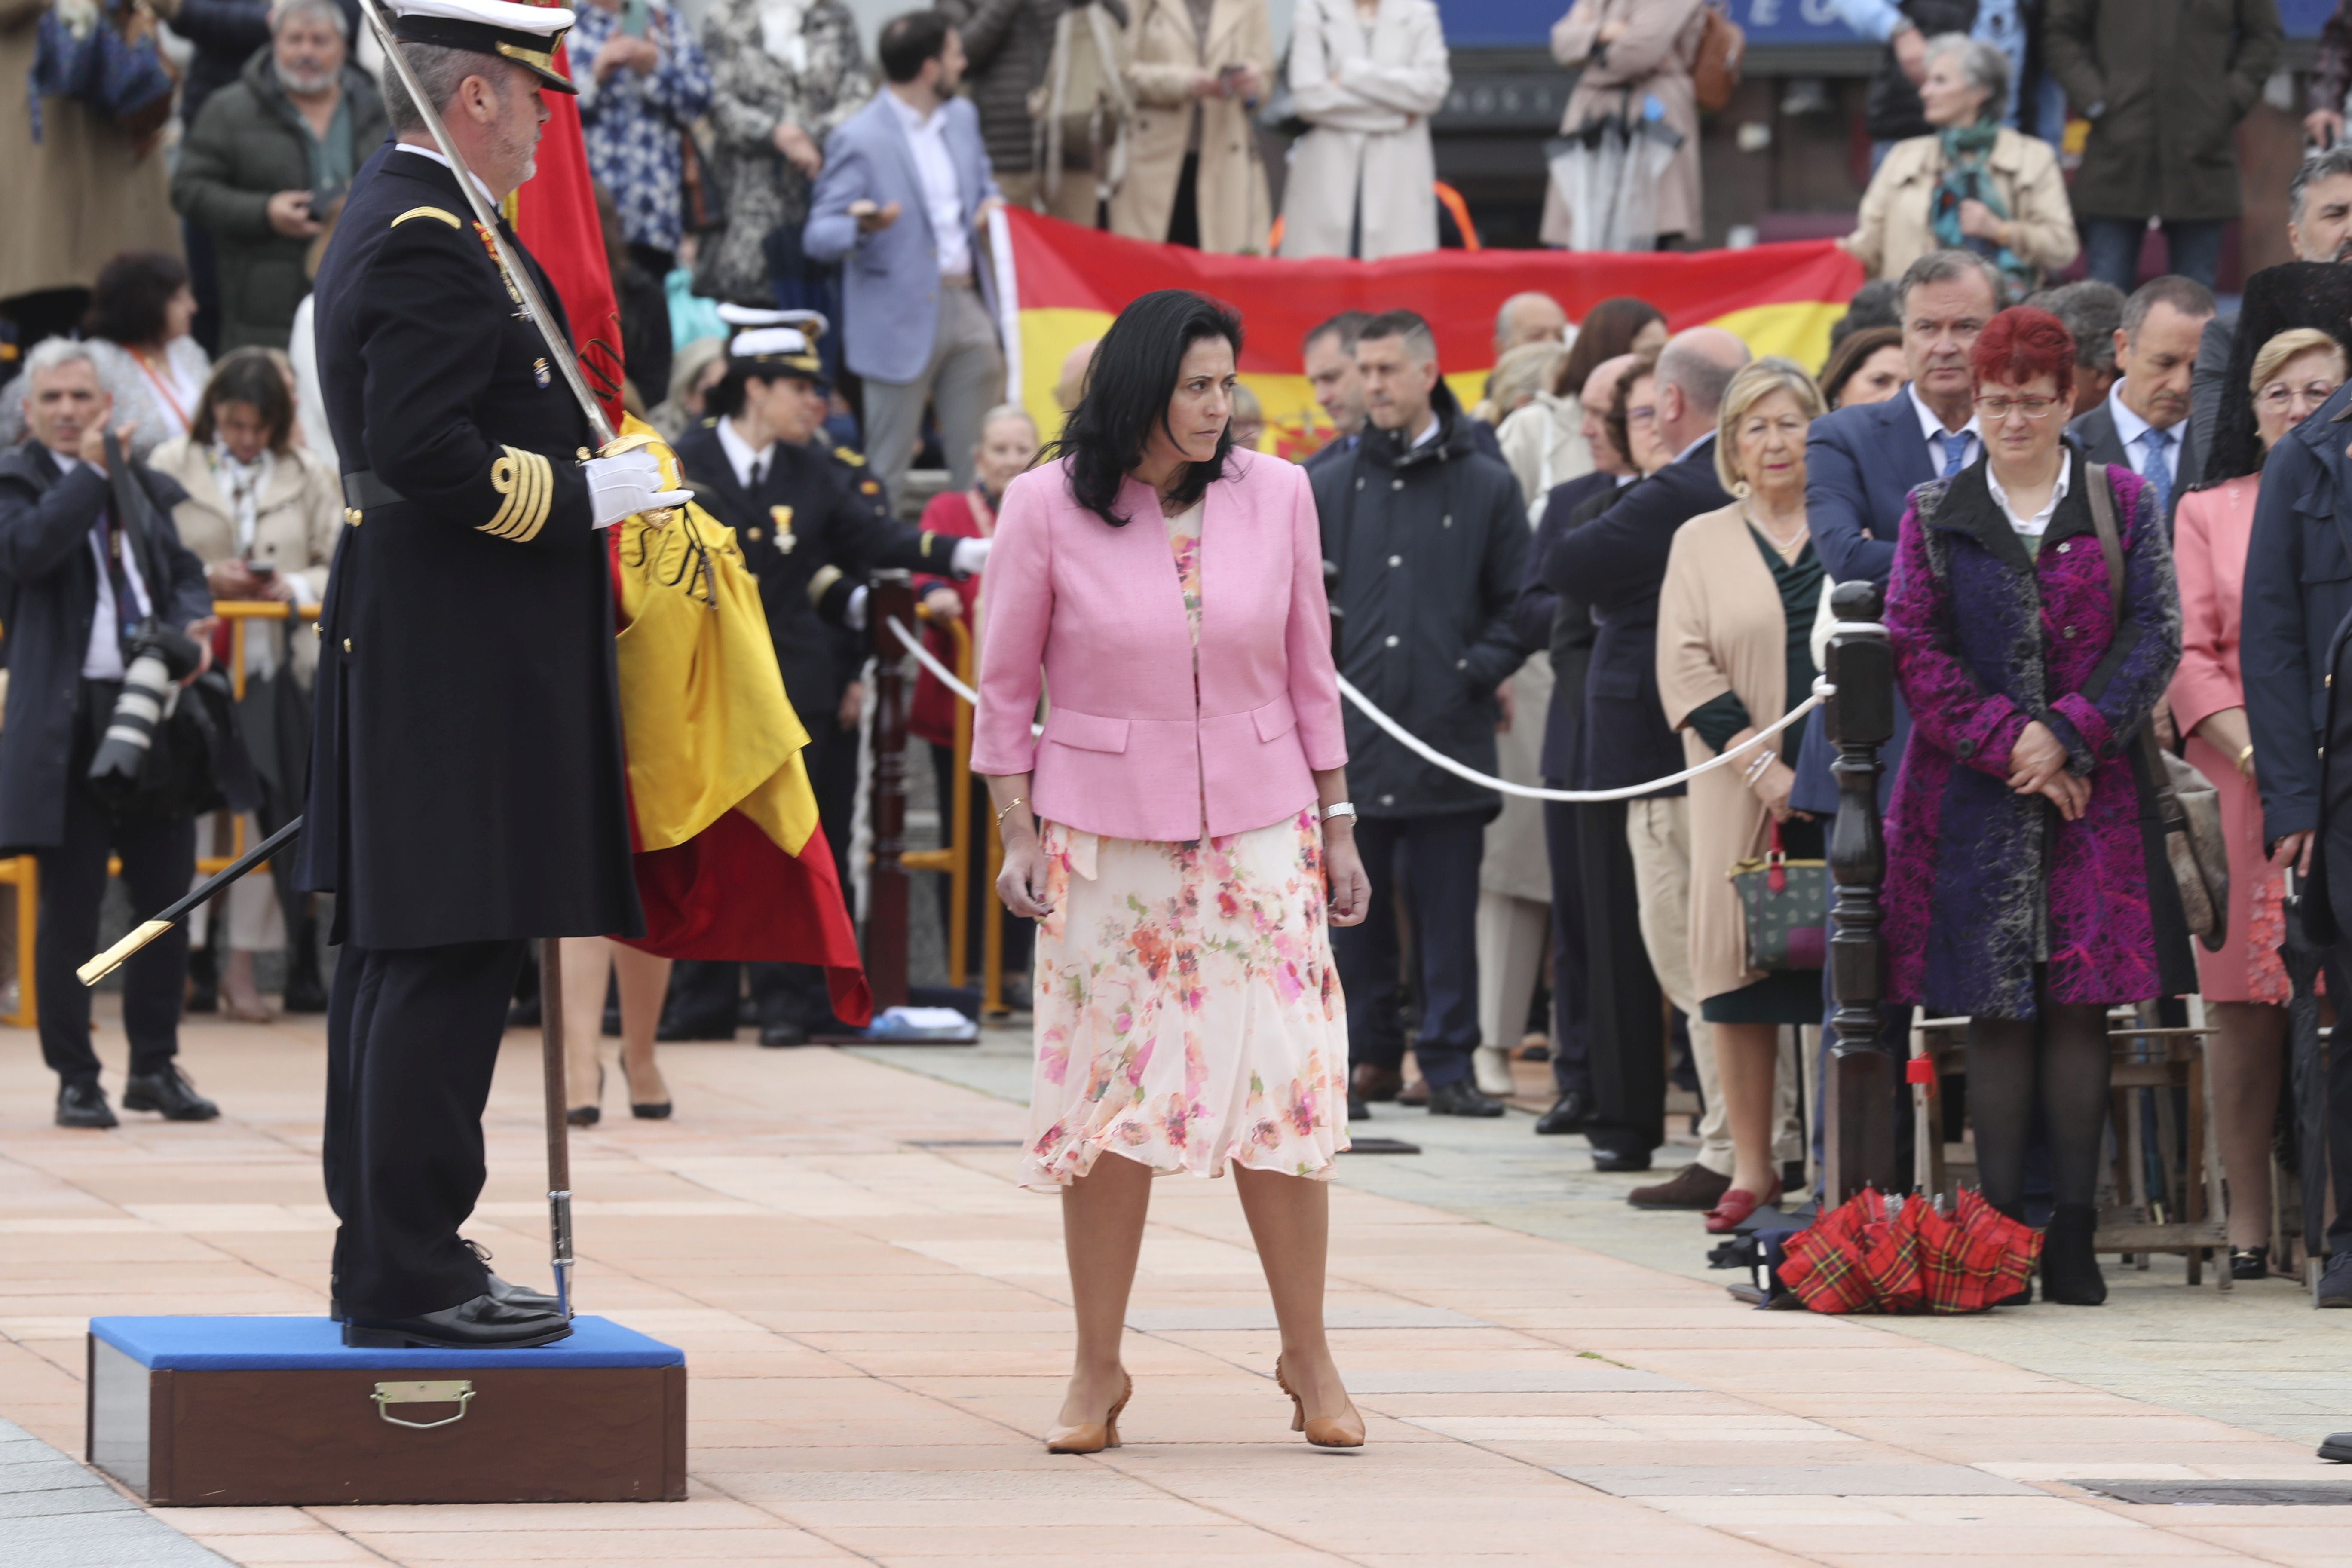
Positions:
(1438, 858)
(159, 858)
(412, 1040)
(1627, 1040)
(1571, 964)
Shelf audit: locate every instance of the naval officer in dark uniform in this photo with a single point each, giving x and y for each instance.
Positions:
(811, 536)
(466, 789)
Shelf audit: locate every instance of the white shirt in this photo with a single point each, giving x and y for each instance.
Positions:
(1694, 446)
(103, 661)
(434, 154)
(2031, 528)
(942, 198)
(741, 454)
(1932, 431)
(1428, 434)
(2130, 427)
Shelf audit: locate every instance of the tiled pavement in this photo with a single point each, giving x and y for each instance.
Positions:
(875, 1319)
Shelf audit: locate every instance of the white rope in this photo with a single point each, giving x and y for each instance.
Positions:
(1823, 691)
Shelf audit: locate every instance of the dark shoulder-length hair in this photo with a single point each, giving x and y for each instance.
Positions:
(1133, 377)
(246, 376)
(128, 299)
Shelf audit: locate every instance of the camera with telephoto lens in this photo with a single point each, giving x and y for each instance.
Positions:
(159, 659)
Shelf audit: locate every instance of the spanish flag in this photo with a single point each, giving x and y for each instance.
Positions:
(1059, 285)
(554, 214)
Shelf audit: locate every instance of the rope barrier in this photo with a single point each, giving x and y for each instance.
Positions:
(1823, 691)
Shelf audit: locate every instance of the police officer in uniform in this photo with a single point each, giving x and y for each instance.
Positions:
(810, 535)
(466, 789)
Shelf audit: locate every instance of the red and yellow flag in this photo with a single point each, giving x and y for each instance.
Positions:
(554, 214)
(1068, 282)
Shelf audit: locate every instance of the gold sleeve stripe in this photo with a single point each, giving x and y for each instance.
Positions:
(528, 485)
(449, 218)
(821, 583)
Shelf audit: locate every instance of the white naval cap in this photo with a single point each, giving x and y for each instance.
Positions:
(778, 350)
(525, 34)
(813, 322)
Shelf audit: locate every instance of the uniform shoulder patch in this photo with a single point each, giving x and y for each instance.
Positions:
(448, 217)
(855, 460)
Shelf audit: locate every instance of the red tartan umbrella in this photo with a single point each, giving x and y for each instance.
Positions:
(1870, 1256)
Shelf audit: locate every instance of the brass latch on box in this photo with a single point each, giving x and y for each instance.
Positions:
(458, 1392)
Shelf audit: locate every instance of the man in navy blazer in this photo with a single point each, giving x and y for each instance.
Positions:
(2298, 593)
(2144, 424)
(906, 188)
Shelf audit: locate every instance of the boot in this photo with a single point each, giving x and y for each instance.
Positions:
(2069, 1269)
(306, 991)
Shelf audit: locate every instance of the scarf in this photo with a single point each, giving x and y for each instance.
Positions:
(1968, 176)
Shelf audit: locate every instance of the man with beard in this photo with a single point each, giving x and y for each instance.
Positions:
(466, 779)
(2143, 424)
(264, 166)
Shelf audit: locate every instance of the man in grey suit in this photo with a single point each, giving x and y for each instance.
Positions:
(904, 189)
(2143, 423)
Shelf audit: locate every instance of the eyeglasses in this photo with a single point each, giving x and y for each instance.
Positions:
(2279, 395)
(1995, 409)
(1640, 416)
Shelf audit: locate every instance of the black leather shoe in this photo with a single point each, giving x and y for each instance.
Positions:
(679, 1025)
(1571, 1113)
(2070, 1265)
(84, 1105)
(2338, 1447)
(521, 1295)
(484, 1323)
(1462, 1098)
(781, 1034)
(2250, 1263)
(2336, 1284)
(1620, 1159)
(169, 1092)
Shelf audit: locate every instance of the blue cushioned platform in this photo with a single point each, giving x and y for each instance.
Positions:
(281, 1345)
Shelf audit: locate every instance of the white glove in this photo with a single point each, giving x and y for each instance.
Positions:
(854, 611)
(626, 485)
(970, 556)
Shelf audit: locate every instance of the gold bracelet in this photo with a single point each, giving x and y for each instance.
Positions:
(1016, 800)
(2244, 755)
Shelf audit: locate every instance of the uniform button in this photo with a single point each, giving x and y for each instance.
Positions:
(752, 534)
(1396, 560)
(1449, 520)
(347, 645)
(1393, 642)
(352, 515)
(1360, 484)
(1396, 484)
(1461, 664)
(1388, 799)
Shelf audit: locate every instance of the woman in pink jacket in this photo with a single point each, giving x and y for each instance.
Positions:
(1173, 831)
(2245, 983)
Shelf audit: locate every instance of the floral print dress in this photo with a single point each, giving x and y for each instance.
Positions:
(1188, 1010)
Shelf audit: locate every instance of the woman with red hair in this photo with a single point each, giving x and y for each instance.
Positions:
(2017, 849)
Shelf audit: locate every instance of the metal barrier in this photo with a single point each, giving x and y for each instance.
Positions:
(22, 872)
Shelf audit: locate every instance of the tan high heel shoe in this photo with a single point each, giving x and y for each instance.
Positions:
(1323, 1431)
(1091, 1436)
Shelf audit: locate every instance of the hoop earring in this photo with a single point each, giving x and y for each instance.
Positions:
(1742, 489)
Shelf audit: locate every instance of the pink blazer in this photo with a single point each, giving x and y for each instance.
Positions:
(1129, 750)
(2211, 531)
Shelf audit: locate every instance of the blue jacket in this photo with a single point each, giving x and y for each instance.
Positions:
(2298, 590)
(1861, 465)
(890, 279)
(1617, 564)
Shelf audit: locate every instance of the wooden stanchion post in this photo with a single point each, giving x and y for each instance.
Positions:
(1858, 1090)
(891, 597)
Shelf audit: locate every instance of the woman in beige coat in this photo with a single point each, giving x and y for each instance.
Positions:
(1366, 75)
(1632, 51)
(1974, 183)
(1735, 652)
(1192, 171)
(263, 515)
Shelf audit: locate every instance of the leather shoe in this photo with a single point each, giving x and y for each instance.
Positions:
(1357, 1109)
(2338, 1447)
(1691, 1187)
(483, 1323)
(84, 1105)
(167, 1092)
(1378, 1085)
(521, 1295)
(1571, 1113)
(778, 1034)
(1621, 1159)
(1461, 1098)
(2336, 1284)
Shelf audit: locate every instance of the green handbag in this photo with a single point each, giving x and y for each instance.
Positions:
(1785, 906)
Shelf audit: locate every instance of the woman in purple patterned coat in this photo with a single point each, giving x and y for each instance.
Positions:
(2021, 833)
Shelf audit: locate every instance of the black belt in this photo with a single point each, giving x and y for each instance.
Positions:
(363, 490)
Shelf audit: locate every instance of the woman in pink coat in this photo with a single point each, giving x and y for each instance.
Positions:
(1173, 832)
(2245, 983)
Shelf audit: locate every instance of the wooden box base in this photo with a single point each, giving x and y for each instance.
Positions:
(275, 1411)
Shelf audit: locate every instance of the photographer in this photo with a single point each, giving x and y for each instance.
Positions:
(76, 586)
